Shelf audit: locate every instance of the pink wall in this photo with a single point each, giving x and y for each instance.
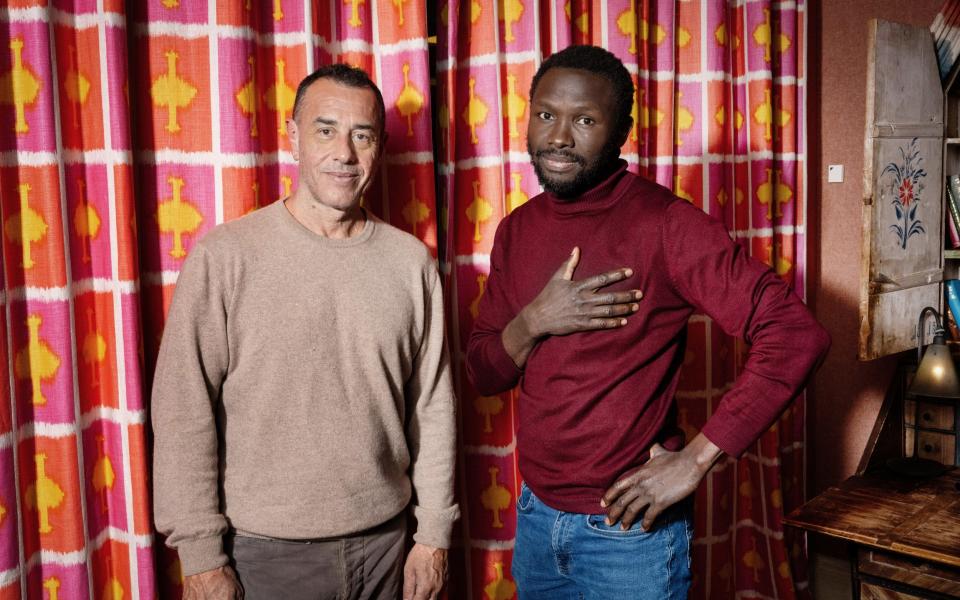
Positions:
(847, 394)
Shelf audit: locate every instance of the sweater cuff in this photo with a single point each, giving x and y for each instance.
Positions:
(204, 554)
(434, 527)
(727, 438)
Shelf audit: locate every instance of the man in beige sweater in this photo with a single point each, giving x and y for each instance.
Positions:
(302, 400)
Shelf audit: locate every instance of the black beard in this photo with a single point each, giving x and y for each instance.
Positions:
(589, 177)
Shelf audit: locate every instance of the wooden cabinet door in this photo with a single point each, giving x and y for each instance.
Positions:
(902, 257)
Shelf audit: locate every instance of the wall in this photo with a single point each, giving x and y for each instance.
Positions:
(847, 393)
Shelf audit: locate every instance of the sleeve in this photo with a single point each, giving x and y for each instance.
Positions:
(746, 299)
(191, 365)
(432, 427)
(489, 367)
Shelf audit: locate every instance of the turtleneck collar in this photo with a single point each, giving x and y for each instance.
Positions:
(600, 197)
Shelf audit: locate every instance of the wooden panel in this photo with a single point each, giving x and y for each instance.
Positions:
(903, 212)
(888, 321)
(934, 531)
(872, 592)
(910, 516)
(905, 64)
(913, 572)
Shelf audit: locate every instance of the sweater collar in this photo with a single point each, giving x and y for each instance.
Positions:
(602, 196)
(298, 229)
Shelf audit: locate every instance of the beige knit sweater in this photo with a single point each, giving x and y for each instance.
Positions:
(302, 388)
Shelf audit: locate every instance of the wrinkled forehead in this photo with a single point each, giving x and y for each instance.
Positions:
(330, 100)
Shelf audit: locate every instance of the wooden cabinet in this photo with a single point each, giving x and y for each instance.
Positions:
(938, 429)
(905, 532)
(903, 218)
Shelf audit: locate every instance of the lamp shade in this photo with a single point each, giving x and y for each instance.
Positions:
(936, 376)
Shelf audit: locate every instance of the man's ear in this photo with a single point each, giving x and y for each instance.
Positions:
(293, 134)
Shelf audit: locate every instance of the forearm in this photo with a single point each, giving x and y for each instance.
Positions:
(787, 344)
(432, 470)
(703, 453)
(519, 339)
(186, 488)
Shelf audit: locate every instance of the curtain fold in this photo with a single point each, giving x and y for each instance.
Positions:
(718, 118)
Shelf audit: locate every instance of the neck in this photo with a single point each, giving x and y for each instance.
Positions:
(324, 220)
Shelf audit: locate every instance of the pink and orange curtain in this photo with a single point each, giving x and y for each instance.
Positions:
(718, 118)
(124, 137)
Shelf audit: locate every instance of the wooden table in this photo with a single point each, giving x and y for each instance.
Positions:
(904, 532)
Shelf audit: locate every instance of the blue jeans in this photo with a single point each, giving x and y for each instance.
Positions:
(560, 555)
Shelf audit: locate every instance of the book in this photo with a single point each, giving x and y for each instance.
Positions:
(953, 206)
(952, 291)
(950, 325)
(952, 230)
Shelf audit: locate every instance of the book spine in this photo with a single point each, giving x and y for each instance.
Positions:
(953, 206)
(953, 297)
(952, 229)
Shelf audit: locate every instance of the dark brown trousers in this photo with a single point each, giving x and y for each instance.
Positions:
(362, 566)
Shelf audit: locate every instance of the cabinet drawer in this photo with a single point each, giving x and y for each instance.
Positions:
(919, 574)
(873, 592)
(932, 415)
(941, 447)
(936, 416)
(868, 591)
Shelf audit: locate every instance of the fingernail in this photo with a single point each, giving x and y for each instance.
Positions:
(639, 294)
(623, 526)
(628, 272)
(603, 503)
(608, 522)
(634, 307)
(623, 322)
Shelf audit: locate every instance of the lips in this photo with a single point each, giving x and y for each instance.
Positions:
(342, 176)
(557, 162)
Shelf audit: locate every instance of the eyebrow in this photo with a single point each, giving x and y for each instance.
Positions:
(325, 121)
(586, 105)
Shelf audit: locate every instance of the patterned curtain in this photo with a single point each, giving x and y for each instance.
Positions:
(719, 118)
(123, 139)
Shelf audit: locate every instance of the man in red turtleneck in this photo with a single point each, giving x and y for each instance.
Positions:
(597, 358)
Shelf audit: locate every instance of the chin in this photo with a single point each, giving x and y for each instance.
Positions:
(564, 189)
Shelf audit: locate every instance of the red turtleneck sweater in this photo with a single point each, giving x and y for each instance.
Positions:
(592, 403)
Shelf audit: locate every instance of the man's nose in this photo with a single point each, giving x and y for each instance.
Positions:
(344, 150)
(561, 134)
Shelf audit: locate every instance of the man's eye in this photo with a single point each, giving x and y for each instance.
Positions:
(544, 116)
(586, 121)
(325, 131)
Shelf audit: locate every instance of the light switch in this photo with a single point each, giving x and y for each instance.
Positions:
(835, 174)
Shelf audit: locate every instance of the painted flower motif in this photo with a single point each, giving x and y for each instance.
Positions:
(907, 181)
(906, 192)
